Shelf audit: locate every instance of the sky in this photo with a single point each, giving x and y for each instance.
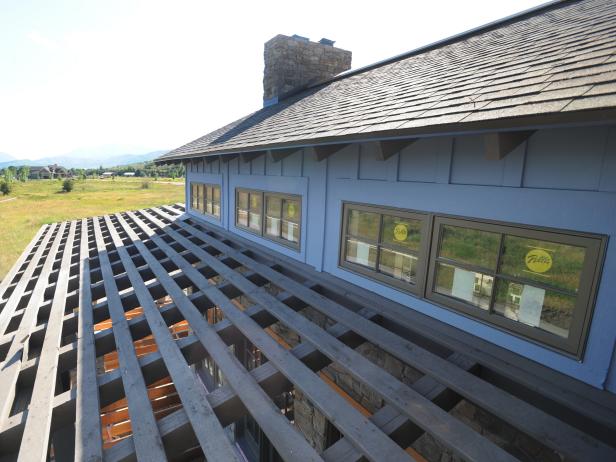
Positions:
(139, 76)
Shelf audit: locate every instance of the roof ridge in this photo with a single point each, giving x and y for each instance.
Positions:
(446, 41)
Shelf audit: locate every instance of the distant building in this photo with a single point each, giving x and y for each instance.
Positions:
(39, 173)
(48, 172)
(129, 173)
(107, 174)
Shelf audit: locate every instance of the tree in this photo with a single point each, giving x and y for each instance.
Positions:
(22, 173)
(67, 185)
(5, 187)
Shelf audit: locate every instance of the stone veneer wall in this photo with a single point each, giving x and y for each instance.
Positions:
(293, 63)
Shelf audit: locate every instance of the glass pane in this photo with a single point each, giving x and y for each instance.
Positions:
(274, 206)
(363, 224)
(472, 287)
(291, 210)
(242, 217)
(216, 209)
(544, 309)
(272, 226)
(558, 265)
(401, 231)
(254, 221)
(470, 246)
(255, 203)
(398, 265)
(216, 193)
(361, 253)
(242, 200)
(208, 207)
(193, 195)
(290, 231)
(201, 204)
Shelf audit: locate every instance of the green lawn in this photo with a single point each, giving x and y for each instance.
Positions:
(41, 201)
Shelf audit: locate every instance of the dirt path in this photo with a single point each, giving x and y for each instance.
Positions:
(9, 199)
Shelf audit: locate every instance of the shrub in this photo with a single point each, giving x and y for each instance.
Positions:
(67, 185)
(145, 185)
(5, 187)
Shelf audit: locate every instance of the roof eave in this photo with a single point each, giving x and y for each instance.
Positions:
(587, 117)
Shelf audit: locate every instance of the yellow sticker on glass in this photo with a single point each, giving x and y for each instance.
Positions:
(538, 261)
(401, 232)
(291, 211)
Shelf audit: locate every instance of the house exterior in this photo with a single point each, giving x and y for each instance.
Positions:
(48, 172)
(407, 261)
(39, 172)
(506, 143)
(513, 138)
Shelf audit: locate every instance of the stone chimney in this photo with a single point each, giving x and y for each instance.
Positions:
(294, 63)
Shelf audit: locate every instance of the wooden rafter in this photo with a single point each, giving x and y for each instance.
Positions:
(111, 266)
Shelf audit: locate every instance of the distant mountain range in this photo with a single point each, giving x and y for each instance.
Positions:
(78, 159)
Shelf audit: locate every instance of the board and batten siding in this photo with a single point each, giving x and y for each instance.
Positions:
(562, 178)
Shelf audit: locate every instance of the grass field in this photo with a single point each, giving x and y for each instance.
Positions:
(41, 201)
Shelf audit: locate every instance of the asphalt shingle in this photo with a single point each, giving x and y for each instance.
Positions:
(561, 58)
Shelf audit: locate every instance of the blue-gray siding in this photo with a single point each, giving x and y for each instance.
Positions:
(562, 178)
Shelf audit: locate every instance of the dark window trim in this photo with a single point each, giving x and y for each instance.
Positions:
(422, 253)
(594, 244)
(201, 205)
(261, 233)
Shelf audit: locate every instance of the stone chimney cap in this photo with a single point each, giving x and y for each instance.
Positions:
(326, 41)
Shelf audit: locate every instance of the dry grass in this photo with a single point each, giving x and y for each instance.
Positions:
(41, 201)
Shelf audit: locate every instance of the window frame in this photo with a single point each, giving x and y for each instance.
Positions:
(262, 232)
(422, 254)
(201, 199)
(594, 246)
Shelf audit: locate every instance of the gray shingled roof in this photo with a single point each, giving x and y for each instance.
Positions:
(559, 61)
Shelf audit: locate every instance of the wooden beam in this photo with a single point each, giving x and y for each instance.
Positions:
(276, 155)
(211, 159)
(288, 442)
(205, 424)
(35, 439)
(499, 144)
(387, 148)
(324, 151)
(148, 444)
(249, 156)
(556, 434)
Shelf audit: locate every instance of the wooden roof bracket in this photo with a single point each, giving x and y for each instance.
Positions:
(228, 157)
(248, 156)
(324, 151)
(276, 155)
(387, 148)
(499, 144)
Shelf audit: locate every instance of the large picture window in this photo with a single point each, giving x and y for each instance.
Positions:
(385, 244)
(274, 216)
(536, 283)
(205, 198)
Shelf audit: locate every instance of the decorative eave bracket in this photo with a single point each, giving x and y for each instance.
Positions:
(499, 144)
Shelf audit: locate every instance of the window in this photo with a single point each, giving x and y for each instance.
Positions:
(385, 244)
(205, 198)
(272, 215)
(536, 283)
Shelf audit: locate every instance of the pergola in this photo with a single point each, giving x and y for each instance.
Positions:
(77, 274)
